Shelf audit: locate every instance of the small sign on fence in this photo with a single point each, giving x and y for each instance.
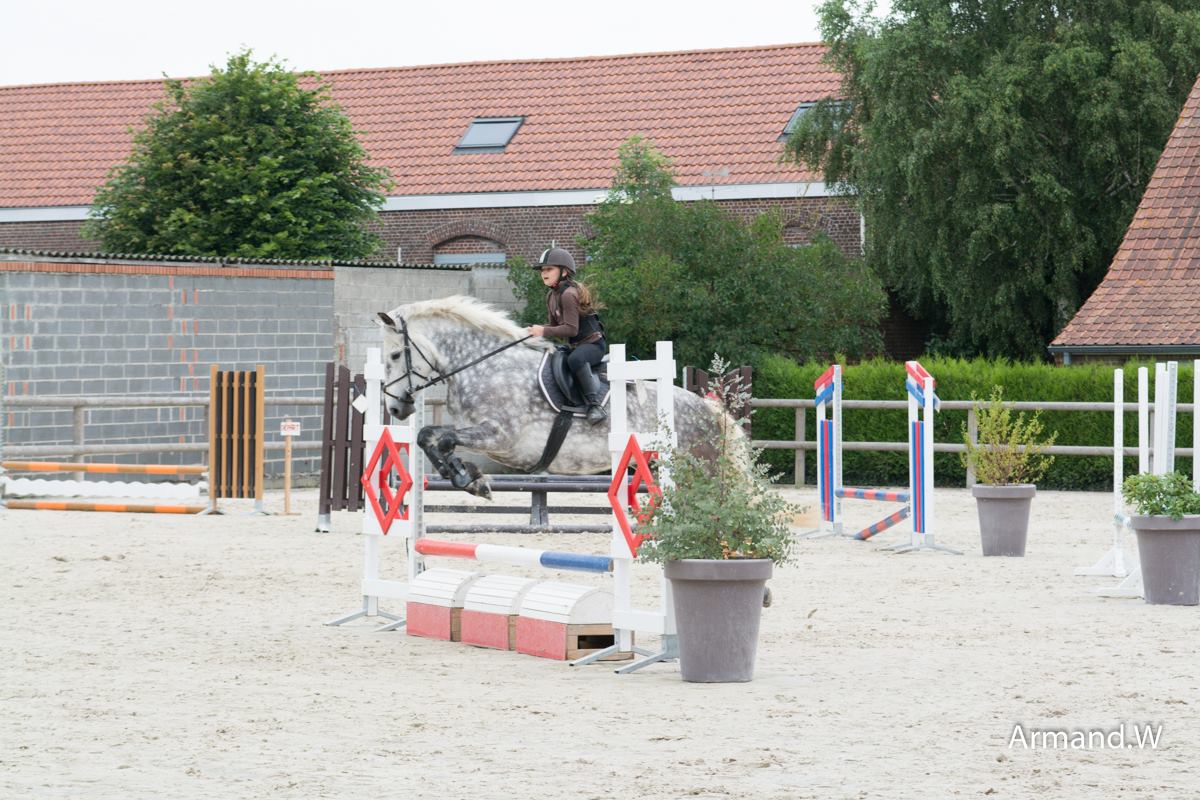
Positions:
(289, 427)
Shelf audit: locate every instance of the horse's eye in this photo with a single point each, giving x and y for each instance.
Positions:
(396, 355)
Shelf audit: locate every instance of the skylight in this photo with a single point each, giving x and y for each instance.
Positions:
(796, 115)
(488, 135)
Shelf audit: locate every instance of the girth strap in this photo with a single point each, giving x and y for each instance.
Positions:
(558, 432)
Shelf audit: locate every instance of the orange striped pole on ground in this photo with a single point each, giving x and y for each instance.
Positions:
(130, 469)
(139, 508)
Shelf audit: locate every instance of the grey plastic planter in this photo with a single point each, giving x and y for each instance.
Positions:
(718, 605)
(1169, 550)
(1003, 517)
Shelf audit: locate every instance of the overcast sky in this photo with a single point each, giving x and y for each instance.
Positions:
(56, 41)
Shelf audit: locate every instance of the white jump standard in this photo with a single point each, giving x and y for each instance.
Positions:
(1155, 455)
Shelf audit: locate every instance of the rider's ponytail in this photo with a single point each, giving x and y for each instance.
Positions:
(588, 303)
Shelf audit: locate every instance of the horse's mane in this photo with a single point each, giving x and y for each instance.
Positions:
(471, 312)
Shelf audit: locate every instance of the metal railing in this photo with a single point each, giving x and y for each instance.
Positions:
(80, 405)
(801, 445)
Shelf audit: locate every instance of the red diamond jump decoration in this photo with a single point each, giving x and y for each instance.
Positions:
(641, 476)
(393, 463)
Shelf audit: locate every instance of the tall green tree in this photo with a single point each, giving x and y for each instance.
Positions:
(248, 162)
(999, 148)
(712, 282)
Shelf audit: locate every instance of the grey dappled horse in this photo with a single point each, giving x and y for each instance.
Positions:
(496, 405)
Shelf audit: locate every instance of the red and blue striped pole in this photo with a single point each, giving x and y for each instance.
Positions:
(519, 556)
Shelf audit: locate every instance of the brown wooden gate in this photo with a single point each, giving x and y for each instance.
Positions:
(341, 445)
(235, 434)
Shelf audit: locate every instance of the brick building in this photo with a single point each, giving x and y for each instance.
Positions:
(490, 160)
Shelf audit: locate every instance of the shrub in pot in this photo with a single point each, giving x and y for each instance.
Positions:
(1166, 520)
(718, 531)
(1008, 459)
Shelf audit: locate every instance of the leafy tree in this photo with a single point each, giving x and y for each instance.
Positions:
(692, 273)
(247, 162)
(999, 148)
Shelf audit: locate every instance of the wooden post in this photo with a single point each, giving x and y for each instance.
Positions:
(214, 462)
(287, 472)
(260, 434)
(799, 454)
(78, 417)
(973, 435)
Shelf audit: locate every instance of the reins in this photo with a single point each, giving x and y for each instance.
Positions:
(410, 345)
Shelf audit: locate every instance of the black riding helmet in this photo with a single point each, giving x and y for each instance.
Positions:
(556, 257)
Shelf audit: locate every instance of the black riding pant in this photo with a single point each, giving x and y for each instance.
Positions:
(591, 353)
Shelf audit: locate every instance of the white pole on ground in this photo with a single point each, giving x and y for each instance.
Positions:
(1172, 408)
(1143, 420)
(1195, 426)
(1132, 585)
(1113, 562)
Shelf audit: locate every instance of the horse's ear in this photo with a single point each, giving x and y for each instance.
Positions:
(386, 321)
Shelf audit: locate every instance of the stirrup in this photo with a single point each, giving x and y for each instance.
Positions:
(596, 414)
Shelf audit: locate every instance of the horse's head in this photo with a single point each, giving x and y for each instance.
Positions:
(403, 360)
(437, 339)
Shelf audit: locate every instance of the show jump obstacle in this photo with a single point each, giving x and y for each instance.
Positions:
(917, 501)
(546, 618)
(234, 469)
(1156, 454)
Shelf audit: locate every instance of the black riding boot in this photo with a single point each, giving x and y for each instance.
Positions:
(593, 393)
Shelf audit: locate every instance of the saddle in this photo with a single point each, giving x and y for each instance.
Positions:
(564, 395)
(559, 386)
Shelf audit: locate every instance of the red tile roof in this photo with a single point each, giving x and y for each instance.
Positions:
(710, 111)
(1151, 294)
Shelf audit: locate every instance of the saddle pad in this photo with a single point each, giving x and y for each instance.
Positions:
(554, 395)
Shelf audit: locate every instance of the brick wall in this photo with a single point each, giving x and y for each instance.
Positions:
(61, 236)
(525, 232)
(417, 235)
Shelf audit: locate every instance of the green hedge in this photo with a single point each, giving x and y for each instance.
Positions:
(960, 380)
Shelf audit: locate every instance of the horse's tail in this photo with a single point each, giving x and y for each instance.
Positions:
(736, 442)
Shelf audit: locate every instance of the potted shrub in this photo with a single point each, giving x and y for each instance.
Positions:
(1167, 524)
(1008, 460)
(718, 532)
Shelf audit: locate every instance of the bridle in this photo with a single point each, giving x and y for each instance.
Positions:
(407, 393)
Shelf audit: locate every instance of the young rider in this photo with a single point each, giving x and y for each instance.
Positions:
(572, 316)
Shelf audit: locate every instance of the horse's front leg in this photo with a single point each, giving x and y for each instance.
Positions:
(438, 443)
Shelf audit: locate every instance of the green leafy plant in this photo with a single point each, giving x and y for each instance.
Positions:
(700, 275)
(1010, 448)
(1168, 495)
(991, 102)
(719, 503)
(253, 161)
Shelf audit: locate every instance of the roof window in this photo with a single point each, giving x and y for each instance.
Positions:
(488, 135)
(796, 115)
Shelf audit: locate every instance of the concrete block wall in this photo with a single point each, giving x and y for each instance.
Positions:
(359, 293)
(108, 327)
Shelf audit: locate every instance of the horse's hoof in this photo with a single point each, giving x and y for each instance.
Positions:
(480, 488)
